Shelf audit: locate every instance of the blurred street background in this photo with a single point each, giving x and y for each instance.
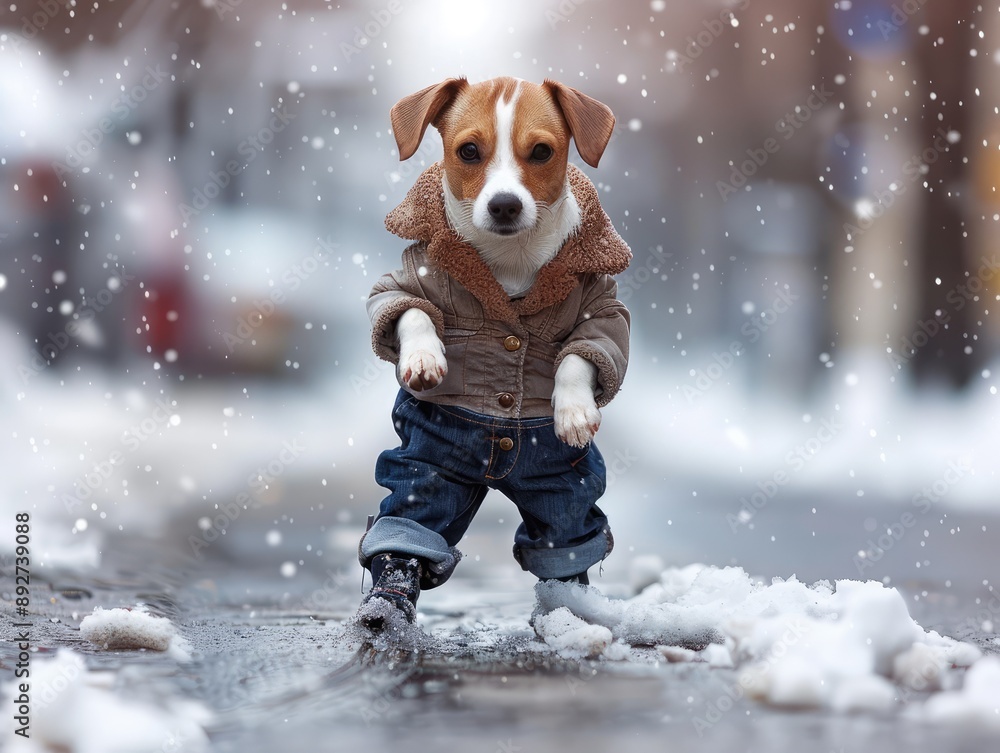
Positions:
(193, 196)
(191, 204)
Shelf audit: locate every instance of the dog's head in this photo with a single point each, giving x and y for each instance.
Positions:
(506, 143)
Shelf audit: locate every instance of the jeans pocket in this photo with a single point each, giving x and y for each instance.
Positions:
(590, 466)
(406, 416)
(404, 406)
(579, 463)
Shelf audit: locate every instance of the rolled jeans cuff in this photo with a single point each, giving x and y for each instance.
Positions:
(566, 561)
(406, 537)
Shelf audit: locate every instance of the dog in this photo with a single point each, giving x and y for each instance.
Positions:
(506, 148)
(504, 316)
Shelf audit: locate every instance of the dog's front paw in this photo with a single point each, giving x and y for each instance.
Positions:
(577, 419)
(421, 352)
(423, 369)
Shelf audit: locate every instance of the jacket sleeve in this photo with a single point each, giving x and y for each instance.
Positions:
(394, 293)
(601, 336)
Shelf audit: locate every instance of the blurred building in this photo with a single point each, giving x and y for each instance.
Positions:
(803, 185)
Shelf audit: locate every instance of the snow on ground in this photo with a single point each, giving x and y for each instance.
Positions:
(850, 646)
(859, 433)
(571, 635)
(977, 702)
(133, 629)
(77, 710)
(89, 453)
(846, 646)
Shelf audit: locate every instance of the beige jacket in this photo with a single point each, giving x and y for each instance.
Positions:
(502, 353)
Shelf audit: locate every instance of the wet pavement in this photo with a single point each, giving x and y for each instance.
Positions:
(279, 667)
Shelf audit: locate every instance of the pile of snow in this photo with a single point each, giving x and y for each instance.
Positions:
(571, 635)
(977, 703)
(133, 629)
(75, 710)
(846, 648)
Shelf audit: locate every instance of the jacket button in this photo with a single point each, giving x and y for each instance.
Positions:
(511, 343)
(506, 400)
(506, 443)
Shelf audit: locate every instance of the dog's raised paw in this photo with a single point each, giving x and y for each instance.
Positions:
(577, 422)
(423, 370)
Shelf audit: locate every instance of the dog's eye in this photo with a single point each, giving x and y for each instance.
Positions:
(469, 152)
(541, 153)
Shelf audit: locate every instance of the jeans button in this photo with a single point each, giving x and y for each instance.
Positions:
(506, 444)
(506, 400)
(511, 343)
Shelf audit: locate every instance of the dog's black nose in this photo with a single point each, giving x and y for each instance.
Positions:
(504, 207)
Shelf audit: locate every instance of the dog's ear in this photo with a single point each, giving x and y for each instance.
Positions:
(411, 115)
(590, 122)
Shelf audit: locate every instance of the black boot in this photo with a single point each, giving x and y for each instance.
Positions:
(397, 583)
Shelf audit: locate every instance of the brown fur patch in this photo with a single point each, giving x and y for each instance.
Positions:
(537, 119)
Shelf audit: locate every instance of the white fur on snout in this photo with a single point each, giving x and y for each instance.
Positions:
(513, 259)
(503, 174)
(516, 259)
(421, 353)
(577, 418)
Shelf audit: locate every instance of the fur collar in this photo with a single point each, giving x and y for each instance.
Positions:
(595, 248)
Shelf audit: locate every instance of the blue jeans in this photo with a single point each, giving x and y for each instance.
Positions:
(447, 461)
